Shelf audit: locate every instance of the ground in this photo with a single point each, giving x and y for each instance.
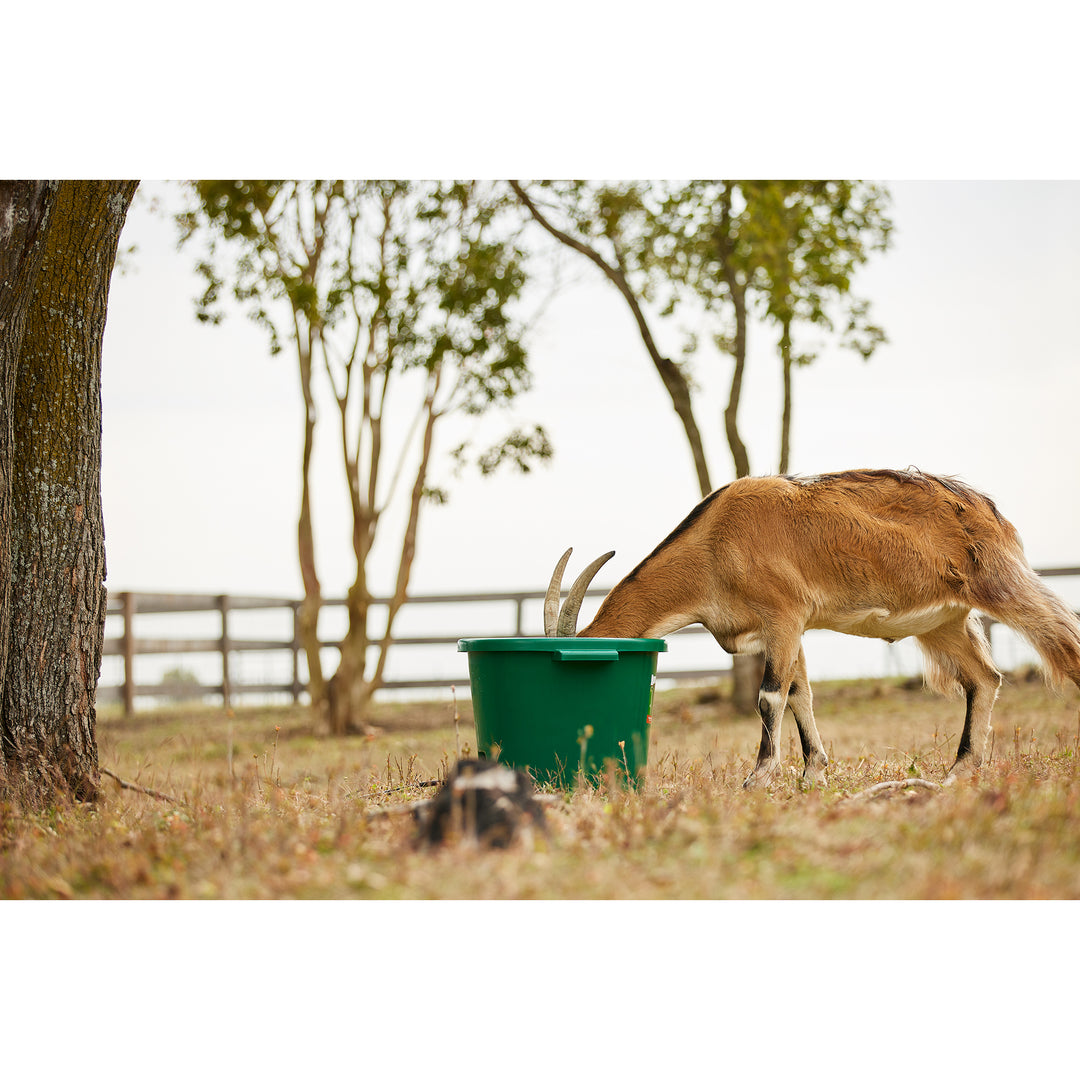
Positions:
(258, 803)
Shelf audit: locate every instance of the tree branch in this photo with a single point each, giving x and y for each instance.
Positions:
(141, 790)
(673, 379)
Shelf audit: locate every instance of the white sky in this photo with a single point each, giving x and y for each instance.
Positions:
(980, 379)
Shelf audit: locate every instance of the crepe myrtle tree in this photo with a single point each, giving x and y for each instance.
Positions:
(401, 299)
(58, 243)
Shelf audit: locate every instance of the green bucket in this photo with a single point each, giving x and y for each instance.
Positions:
(563, 706)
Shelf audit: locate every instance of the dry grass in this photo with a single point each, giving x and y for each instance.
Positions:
(267, 808)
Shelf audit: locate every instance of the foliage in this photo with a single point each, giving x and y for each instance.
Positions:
(396, 275)
(783, 250)
(181, 683)
(787, 249)
(795, 244)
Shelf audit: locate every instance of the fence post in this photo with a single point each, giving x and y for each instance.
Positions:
(297, 686)
(226, 693)
(519, 629)
(127, 601)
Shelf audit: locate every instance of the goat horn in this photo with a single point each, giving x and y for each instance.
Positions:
(568, 617)
(551, 601)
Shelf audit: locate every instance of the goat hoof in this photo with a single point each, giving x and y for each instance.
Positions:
(962, 769)
(759, 778)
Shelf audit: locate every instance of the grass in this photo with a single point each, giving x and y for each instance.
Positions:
(267, 807)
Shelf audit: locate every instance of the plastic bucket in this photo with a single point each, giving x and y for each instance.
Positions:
(563, 706)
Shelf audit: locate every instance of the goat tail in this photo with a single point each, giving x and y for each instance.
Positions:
(1043, 619)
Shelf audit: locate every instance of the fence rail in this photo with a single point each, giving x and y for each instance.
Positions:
(128, 606)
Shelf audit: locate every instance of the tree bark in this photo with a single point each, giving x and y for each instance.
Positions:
(25, 209)
(55, 529)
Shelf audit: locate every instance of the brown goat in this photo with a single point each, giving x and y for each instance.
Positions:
(875, 553)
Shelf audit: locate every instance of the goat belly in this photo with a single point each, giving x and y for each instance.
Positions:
(890, 625)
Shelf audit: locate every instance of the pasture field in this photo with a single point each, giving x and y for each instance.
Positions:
(265, 807)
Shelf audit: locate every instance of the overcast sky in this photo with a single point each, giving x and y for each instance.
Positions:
(980, 379)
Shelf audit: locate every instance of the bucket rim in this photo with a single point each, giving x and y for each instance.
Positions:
(560, 644)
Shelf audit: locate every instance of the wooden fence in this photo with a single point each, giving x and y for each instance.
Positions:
(127, 607)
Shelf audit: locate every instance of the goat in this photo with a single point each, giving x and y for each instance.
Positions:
(874, 553)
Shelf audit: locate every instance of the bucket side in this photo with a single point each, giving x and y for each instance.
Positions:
(534, 710)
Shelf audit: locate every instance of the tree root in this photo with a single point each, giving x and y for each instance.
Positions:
(141, 790)
(891, 786)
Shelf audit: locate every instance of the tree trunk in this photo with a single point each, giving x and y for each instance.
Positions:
(307, 616)
(747, 671)
(348, 694)
(351, 690)
(737, 292)
(25, 209)
(56, 532)
(785, 420)
(739, 455)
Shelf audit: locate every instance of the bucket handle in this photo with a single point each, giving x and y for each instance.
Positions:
(586, 654)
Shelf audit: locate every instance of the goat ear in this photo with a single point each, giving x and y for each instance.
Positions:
(551, 600)
(568, 617)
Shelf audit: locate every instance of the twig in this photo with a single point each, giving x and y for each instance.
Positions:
(457, 735)
(397, 788)
(141, 790)
(895, 785)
